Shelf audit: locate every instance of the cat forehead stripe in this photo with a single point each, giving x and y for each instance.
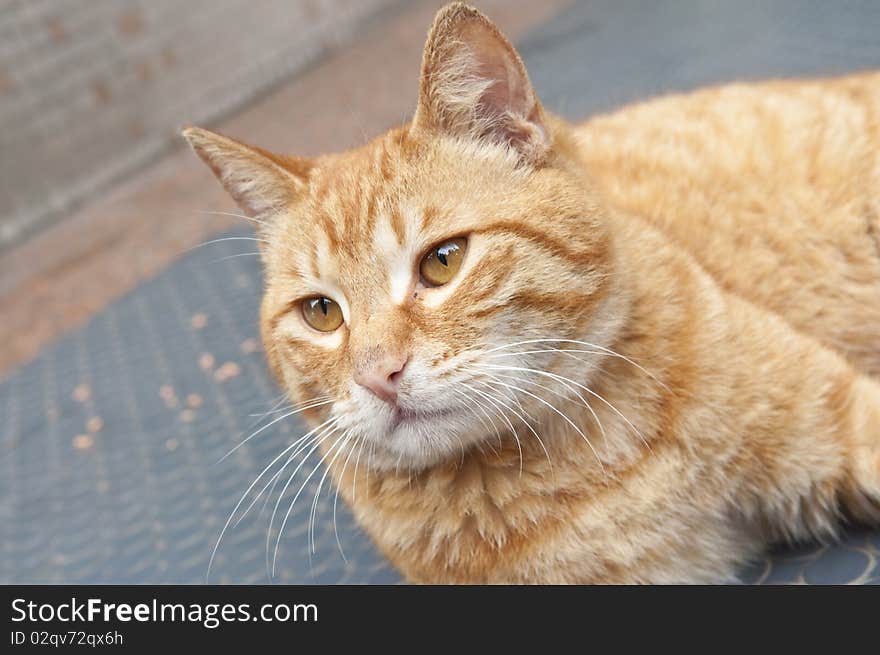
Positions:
(391, 239)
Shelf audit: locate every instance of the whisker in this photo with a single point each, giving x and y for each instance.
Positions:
(310, 537)
(275, 405)
(604, 349)
(356, 462)
(241, 254)
(277, 475)
(314, 443)
(580, 386)
(546, 350)
(625, 419)
(275, 479)
(500, 413)
(244, 495)
(524, 422)
(268, 425)
(359, 446)
(565, 418)
(299, 491)
(560, 395)
(473, 403)
(222, 239)
(274, 409)
(234, 215)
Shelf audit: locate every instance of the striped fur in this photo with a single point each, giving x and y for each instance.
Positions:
(663, 348)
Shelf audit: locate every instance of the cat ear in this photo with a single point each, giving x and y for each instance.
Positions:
(475, 85)
(261, 183)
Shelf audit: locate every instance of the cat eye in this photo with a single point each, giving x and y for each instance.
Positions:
(321, 313)
(442, 262)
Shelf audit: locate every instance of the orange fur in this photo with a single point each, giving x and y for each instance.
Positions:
(662, 350)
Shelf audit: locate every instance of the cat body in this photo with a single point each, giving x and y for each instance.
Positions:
(774, 189)
(660, 353)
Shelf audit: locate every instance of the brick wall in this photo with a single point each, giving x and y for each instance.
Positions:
(92, 89)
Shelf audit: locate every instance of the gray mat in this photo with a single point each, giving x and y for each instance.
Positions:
(110, 438)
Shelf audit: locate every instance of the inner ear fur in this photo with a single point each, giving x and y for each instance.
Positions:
(474, 85)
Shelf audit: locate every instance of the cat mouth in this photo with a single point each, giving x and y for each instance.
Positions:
(407, 416)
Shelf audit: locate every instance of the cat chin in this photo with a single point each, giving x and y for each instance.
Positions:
(416, 445)
(387, 460)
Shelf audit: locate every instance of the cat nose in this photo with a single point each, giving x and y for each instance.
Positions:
(382, 377)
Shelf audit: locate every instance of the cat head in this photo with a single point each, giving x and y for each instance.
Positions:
(416, 285)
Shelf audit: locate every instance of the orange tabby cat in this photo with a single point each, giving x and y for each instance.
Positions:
(634, 350)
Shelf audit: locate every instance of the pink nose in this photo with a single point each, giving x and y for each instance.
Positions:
(382, 377)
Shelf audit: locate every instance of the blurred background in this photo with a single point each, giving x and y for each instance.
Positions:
(129, 359)
(96, 89)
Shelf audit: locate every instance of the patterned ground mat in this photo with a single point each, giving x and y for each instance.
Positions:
(111, 440)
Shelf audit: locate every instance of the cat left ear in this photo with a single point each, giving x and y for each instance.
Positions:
(261, 182)
(475, 85)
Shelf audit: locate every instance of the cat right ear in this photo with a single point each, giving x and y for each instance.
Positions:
(475, 85)
(261, 182)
